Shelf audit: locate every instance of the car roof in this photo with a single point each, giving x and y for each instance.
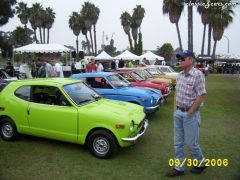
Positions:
(101, 74)
(47, 81)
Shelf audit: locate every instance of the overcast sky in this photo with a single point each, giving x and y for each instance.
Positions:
(156, 27)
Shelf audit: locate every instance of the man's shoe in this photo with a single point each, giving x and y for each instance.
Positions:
(174, 172)
(197, 170)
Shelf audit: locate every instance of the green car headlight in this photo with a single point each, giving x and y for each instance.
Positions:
(132, 126)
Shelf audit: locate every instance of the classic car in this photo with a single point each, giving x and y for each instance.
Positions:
(137, 80)
(68, 110)
(168, 70)
(143, 71)
(114, 86)
(157, 72)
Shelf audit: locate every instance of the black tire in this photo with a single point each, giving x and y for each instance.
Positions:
(102, 144)
(8, 130)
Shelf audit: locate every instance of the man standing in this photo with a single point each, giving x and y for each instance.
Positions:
(190, 94)
(99, 66)
(91, 67)
(46, 70)
(57, 68)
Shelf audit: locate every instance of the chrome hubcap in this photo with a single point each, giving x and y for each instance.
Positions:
(7, 130)
(101, 145)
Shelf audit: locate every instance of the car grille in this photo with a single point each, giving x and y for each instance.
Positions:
(159, 101)
(141, 124)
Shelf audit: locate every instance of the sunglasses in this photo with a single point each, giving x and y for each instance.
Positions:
(181, 59)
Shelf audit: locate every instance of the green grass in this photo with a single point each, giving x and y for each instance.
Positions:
(37, 158)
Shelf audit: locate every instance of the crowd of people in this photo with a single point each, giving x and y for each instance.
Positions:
(41, 68)
(97, 66)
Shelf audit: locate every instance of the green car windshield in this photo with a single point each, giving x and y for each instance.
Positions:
(80, 93)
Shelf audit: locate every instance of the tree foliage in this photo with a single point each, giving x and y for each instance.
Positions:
(6, 10)
(166, 51)
(110, 49)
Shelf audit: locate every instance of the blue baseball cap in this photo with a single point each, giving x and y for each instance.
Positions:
(184, 54)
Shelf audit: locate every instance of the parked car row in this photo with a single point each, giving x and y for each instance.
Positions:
(103, 111)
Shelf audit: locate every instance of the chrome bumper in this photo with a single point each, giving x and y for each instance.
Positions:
(140, 133)
(166, 95)
(152, 107)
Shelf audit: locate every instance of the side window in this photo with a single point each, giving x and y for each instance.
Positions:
(128, 77)
(49, 95)
(98, 82)
(23, 93)
(104, 84)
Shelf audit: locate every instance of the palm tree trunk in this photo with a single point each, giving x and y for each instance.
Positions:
(214, 50)
(48, 35)
(40, 32)
(130, 42)
(88, 44)
(44, 35)
(203, 39)
(91, 41)
(95, 39)
(35, 36)
(189, 28)
(135, 46)
(77, 54)
(179, 36)
(209, 38)
(25, 28)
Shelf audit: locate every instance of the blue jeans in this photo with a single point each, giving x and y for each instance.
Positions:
(186, 129)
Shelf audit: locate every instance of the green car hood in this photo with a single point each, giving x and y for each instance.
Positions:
(116, 110)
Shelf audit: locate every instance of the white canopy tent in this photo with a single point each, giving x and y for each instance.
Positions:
(149, 55)
(127, 55)
(104, 56)
(42, 48)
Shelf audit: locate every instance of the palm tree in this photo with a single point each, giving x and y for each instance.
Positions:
(50, 16)
(23, 13)
(32, 20)
(220, 19)
(36, 13)
(126, 20)
(96, 13)
(87, 13)
(138, 15)
(75, 24)
(84, 32)
(134, 28)
(205, 15)
(174, 9)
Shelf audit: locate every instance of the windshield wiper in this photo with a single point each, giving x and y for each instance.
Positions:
(83, 101)
(95, 96)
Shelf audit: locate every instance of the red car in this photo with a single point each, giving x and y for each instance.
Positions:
(137, 80)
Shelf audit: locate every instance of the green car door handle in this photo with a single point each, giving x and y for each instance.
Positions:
(28, 111)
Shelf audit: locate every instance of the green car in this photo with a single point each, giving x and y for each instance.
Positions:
(68, 110)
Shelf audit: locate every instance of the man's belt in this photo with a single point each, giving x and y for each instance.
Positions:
(183, 109)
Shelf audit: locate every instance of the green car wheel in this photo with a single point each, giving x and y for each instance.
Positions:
(102, 144)
(8, 130)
